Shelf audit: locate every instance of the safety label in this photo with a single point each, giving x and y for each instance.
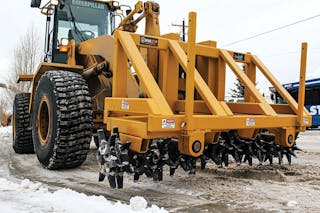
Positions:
(168, 123)
(250, 122)
(125, 104)
(148, 41)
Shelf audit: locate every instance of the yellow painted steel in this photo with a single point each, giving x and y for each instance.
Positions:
(132, 105)
(247, 82)
(302, 85)
(200, 84)
(190, 71)
(277, 85)
(25, 77)
(125, 45)
(250, 70)
(191, 107)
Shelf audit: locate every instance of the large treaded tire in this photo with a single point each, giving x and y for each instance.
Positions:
(21, 133)
(62, 120)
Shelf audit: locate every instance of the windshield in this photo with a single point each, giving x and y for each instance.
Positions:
(82, 20)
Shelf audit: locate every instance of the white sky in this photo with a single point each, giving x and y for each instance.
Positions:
(224, 21)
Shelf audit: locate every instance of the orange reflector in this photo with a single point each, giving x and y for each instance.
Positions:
(63, 48)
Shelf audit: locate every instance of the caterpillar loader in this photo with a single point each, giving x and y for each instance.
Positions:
(148, 100)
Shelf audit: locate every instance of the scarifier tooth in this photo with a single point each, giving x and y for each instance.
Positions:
(226, 160)
(204, 159)
(203, 164)
(271, 161)
(112, 140)
(288, 158)
(172, 171)
(101, 176)
(248, 158)
(280, 156)
(295, 148)
(260, 157)
(119, 179)
(136, 177)
(112, 180)
(157, 175)
(291, 152)
(237, 158)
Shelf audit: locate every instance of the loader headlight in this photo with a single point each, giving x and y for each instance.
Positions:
(119, 11)
(64, 45)
(115, 3)
(54, 2)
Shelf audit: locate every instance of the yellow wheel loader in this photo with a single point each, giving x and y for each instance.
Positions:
(149, 100)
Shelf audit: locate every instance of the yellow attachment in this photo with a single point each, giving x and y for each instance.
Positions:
(192, 108)
(25, 77)
(250, 134)
(191, 143)
(302, 87)
(285, 136)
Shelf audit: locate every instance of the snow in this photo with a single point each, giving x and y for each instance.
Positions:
(22, 196)
(5, 132)
(292, 203)
(28, 196)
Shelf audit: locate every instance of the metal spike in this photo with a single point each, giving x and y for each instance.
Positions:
(172, 171)
(288, 158)
(280, 156)
(136, 177)
(101, 176)
(119, 179)
(225, 160)
(112, 180)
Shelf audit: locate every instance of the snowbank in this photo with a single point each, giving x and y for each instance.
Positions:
(33, 197)
(5, 132)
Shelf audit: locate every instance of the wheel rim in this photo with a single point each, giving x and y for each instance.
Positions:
(43, 121)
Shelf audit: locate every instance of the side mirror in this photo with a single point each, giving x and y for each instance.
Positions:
(35, 3)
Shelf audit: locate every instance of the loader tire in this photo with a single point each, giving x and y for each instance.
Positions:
(62, 120)
(21, 130)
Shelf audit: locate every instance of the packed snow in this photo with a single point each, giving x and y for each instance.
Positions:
(21, 196)
(5, 132)
(28, 196)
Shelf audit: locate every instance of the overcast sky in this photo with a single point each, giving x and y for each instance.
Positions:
(224, 21)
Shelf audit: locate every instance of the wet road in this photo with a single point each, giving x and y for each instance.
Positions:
(293, 188)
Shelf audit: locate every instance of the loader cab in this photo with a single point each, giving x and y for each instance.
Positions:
(80, 20)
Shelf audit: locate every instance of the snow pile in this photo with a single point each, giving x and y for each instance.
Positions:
(33, 197)
(292, 203)
(5, 132)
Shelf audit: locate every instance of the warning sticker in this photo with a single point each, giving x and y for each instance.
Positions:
(148, 41)
(250, 122)
(168, 123)
(125, 104)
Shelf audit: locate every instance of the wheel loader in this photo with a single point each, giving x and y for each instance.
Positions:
(148, 100)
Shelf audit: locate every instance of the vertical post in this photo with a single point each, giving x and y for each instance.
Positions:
(120, 69)
(251, 73)
(302, 83)
(183, 30)
(189, 103)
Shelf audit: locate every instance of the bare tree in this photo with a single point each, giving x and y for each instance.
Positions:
(27, 54)
(4, 106)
